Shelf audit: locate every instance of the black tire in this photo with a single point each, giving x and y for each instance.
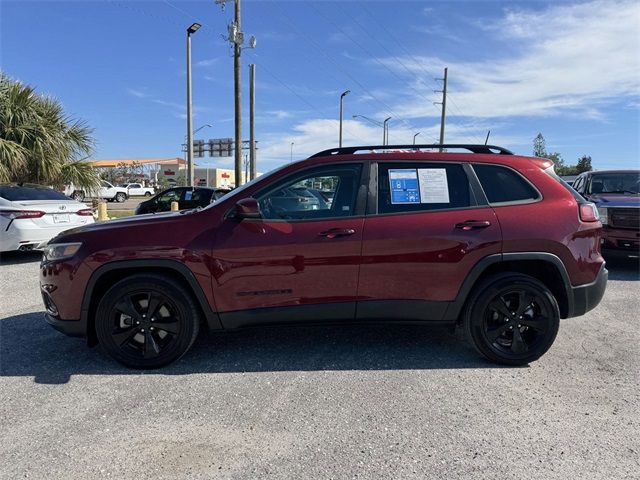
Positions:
(147, 194)
(511, 319)
(78, 195)
(133, 335)
(120, 197)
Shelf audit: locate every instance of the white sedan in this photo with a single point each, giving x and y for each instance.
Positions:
(31, 215)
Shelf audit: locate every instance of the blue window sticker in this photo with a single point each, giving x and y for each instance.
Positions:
(404, 186)
(188, 195)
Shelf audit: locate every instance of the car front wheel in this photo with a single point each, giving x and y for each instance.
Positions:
(512, 319)
(147, 321)
(120, 197)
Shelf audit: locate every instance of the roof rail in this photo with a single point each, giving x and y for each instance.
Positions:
(486, 149)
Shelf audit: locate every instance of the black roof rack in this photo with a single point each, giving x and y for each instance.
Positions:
(487, 149)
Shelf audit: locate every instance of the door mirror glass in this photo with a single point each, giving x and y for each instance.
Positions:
(248, 208)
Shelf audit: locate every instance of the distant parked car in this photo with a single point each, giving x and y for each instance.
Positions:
(137, 189)
(615, 193)
(187, 197)
(31, 215)
(106, 191)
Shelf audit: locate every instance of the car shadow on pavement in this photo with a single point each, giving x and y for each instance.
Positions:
(624, 269)
(29, 347)
(15, 258)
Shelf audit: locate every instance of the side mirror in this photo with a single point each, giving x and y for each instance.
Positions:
(248, 208)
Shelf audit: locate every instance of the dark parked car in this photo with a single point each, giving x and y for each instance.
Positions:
(487, 241)
(615, 193)
(187, 197)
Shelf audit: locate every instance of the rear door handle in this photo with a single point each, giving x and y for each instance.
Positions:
(473, 225)
(337, 232)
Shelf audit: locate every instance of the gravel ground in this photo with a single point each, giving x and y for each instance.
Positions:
(381, 402)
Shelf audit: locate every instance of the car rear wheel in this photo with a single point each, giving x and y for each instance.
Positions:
(147, 194)
(147, 321)
(120, 197)
(512, 319)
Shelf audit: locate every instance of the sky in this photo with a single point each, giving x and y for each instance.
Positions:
(569, 70)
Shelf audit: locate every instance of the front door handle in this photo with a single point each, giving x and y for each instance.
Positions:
(473, 225)
(337, 232)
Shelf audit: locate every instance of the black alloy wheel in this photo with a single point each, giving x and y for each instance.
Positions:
(147, 321)
(512, 319)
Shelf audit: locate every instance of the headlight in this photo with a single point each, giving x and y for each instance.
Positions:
(604, 219)
(60, 251)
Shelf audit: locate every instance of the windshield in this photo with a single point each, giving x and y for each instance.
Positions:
(16, 194)
(615, 182)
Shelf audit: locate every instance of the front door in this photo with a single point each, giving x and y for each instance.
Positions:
(300, 261)
(427, 231)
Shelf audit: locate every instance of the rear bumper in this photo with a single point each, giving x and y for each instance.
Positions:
(73, 328)
(587, 297)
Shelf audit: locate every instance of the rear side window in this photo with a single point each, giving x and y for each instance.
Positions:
(416, 187)
(501, 184)
(15, 194)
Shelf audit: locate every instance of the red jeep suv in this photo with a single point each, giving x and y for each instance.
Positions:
(488, 241)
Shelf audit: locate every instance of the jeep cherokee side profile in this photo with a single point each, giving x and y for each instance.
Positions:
(488, 241)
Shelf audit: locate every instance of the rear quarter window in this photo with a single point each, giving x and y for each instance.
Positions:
(503, 185)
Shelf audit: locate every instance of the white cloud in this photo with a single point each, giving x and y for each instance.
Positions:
(573, 59)
(137, 93)
(206, 63)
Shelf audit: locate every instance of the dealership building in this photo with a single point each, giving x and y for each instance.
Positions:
(174, 170)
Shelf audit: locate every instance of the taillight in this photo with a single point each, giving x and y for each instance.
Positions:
(17, 214)
(589, 212)
(85, 212)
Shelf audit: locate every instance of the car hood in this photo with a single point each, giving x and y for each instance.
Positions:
(147, 220)
(615, 200)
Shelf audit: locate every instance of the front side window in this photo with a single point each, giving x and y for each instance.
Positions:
(323, 192)
(413, 187)
(501, 184)
(169, 196)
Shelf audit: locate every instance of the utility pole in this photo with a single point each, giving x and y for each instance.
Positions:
(189, 180)
(237, 49)
(444, 105)
(252, 121)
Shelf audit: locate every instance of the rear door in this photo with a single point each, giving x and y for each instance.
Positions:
(428, 226)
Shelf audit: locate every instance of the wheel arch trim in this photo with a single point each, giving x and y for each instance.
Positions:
(212, 318)
(455, 307)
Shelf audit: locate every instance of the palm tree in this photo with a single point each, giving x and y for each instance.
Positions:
(39, 143)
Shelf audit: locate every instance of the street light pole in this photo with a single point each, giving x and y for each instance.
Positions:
(414, 137)
(385, 131)
(237, 103)
(344, 94)
(192, 29)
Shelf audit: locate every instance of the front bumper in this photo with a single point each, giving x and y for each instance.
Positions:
(587, 297)
(619, 242)
(73, 328)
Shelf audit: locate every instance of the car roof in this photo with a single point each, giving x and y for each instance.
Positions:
(593, 172)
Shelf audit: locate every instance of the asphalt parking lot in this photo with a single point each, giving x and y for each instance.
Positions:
(380, 402)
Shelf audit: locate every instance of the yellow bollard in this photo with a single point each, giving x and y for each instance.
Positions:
(102, 212)
(174, 206)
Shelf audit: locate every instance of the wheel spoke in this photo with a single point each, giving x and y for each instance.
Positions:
(151, 348)
(169, 325)
(517, 344)
(538, 323)
(122, 337)
(500, 306)
(494, 333)
(126, 306)
(524, 301)
(155, 302)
